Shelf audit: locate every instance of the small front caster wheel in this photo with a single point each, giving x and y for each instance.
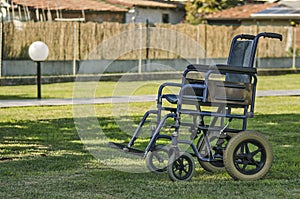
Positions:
(181, 166)
(248, 156)
(157, 159)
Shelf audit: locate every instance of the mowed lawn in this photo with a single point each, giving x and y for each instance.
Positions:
(42, 156)
(108, 89)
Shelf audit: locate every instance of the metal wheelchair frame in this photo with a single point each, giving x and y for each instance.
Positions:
(237, 91)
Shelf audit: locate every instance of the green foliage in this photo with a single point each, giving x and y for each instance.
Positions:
(197, 9)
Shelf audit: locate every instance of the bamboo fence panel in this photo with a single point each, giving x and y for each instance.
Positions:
(80, 41)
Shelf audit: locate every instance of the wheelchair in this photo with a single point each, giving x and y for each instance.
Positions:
(209, 120)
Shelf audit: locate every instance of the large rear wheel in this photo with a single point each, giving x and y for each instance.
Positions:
(248, 156)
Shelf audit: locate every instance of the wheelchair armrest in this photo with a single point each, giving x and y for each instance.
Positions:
(198, 67)
(160, 90)
(233, 69)
(223, 68)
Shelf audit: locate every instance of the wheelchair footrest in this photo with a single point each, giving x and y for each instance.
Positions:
(126, 149)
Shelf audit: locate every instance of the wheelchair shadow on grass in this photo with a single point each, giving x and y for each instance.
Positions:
(54, 145)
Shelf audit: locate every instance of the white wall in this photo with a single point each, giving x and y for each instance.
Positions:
(56, 68)
(154, 15)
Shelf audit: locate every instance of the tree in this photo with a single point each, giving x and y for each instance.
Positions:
(197, 9)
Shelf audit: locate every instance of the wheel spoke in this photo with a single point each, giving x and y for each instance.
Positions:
(180, 172)
(256, 163)
(247, 148)
(182, 168)
(256, 152)
(186, 168)
(245, 164)
(176, 166)
(239, 157)
(243, 149)
(185, 171)
(180, 161)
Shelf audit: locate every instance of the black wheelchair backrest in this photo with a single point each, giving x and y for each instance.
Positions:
(242, 53)
(240, 56)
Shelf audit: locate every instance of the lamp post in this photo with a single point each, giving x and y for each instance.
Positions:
(3, 16)
(38, 52)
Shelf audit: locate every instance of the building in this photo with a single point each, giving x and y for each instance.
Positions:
(283, 13)
(43, 10)
(122, 11)
(277, 13)
(141, 11)
(239, 15)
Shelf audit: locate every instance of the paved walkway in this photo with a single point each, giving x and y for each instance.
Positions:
(123, 99)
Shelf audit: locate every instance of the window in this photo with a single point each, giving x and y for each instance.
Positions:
(165, 18)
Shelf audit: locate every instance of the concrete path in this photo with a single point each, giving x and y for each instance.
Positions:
(121, 99)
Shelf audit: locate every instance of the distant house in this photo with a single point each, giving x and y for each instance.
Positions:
(44, 10)
(154, 11)
(239, 15)
(87, 10)
(280, 13)
(122, 11)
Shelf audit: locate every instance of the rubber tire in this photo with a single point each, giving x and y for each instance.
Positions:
(232, 147)
(213, 167)
(176, 162)
(152, 154)
(216, 167)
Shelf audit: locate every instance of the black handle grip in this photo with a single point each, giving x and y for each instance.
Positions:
(246, 36)
(273, 35)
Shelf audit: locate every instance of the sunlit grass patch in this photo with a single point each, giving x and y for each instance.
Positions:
(47, 159)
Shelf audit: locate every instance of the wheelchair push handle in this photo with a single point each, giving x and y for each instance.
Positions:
(246, 36)
(272, 35)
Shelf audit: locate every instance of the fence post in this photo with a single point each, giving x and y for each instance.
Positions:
(294, 48)
(140, 48)
(197, 46)
(147, 40)
(2, 45)
(205, 43)
(74, 50)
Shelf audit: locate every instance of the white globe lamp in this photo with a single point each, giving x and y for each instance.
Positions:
(38, 52)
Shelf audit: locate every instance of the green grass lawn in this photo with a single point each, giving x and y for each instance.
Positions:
(42, 156)
(107, 89)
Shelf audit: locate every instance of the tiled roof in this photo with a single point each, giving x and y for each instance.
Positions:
(142, 3)
(239, 12)
(284, 10)
(70, 5)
